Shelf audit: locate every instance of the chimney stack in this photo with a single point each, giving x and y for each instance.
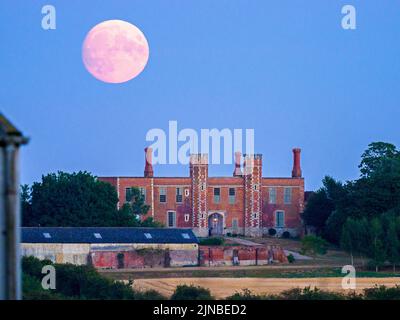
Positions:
(296, 172)
(148, 168)
(238, 171)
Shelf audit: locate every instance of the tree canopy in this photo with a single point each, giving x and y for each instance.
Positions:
(78, 200)
(362, 215)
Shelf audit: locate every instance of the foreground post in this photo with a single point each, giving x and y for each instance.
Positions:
(10, 275)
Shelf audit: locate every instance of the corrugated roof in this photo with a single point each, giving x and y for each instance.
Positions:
(107, 235)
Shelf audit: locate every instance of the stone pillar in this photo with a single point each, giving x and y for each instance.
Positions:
(10, 257)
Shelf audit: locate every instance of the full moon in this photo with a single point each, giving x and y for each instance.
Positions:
(115, 51)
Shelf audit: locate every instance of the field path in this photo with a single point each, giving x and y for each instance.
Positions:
(223, 287)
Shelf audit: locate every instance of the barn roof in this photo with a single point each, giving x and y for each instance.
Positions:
(107, 235)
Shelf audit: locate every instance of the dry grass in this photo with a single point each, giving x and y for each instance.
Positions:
(223, 287)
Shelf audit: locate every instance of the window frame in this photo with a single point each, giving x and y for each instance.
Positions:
(143, 192)
(277, 212)
(217, 197)
(272, 195)
(232, 197)
(287, 195)
(179, 195)
(235, 224)
(164, 194)
(174, 218)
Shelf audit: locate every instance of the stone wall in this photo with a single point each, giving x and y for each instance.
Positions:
(113, 256)
(245, 255)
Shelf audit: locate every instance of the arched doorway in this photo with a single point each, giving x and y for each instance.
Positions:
(215, 224)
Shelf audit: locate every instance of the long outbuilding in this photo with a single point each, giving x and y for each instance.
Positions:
(112, 247)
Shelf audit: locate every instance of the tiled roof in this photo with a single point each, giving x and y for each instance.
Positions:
(107, 235)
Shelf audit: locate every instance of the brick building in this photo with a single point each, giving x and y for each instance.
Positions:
(246, 203)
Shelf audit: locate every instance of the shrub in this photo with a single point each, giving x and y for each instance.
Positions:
(313, 245)
(185, 292)
(76, 282)
(245, 294)
(150, 223)
(271, 231)
(290, 258)
(310, 294)
(382, 293)
(149, 295)
(32, 290)
(286, 235)
(212, 241)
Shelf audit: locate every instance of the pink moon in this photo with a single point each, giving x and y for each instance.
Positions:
(115, 51)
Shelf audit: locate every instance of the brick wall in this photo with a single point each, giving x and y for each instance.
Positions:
(246, 255)
(198, 203)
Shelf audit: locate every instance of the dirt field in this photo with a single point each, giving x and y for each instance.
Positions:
(223, 287)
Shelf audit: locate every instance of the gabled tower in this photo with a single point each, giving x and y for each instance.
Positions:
(252, 178)
(199, 177)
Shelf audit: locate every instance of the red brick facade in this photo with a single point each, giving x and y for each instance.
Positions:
(246, 203)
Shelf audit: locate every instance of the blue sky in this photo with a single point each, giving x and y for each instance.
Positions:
(285, 68)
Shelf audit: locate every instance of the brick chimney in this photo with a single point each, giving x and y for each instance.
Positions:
(148, 168)
(238, 171)
(296, 172)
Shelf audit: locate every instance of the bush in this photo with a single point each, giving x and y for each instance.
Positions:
(76, 282)
(185, 292)
(290, 258)
(271, 231)
(212, 241)
(150, 223)
(313, 245)
(245, 294)
(310, 294)
(382, 293)
(286, 235)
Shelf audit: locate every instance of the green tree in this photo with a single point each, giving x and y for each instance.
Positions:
(77, 282)
(313, 245)
(393, 242)
(375, 247)
(26, 205)
(137, 203)
(372, 158)
(73, 200)
(185, 292)
(318, 210)
(354, 236)
(322, 204)
(348, 239)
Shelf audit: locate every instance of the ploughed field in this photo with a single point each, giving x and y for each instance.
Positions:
(223, 287)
